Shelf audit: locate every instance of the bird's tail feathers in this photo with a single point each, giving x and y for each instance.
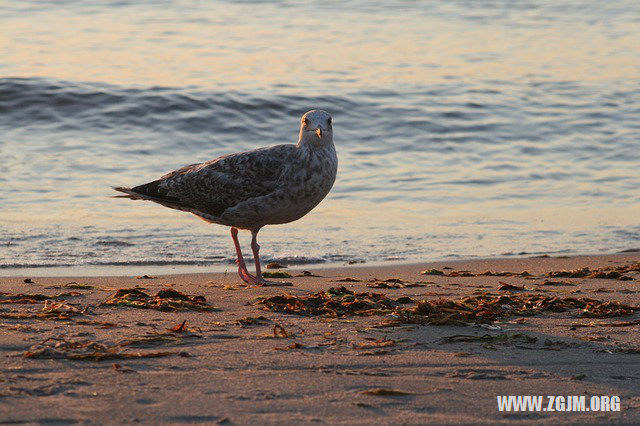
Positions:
(130, 194)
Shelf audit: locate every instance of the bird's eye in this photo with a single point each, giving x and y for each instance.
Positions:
(329, 120)
(305, 121)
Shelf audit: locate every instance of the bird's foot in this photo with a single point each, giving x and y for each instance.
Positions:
(246, 276)
(263, 282)
(259, 281)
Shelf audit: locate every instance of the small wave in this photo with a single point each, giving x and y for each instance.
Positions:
(294, 260)
(114, 243)
(152, 263)
(287, 260)
(34, 265)
(72, 105)
(346, 258)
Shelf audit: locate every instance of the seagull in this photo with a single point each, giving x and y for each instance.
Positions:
(248, 190)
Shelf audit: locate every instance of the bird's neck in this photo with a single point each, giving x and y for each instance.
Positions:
(315, 143)
(311, 151)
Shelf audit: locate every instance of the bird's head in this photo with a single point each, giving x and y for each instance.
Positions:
(315, 128)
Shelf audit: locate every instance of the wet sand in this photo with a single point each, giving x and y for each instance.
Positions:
(229, 366)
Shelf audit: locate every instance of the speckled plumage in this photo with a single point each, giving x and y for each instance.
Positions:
(249, 190)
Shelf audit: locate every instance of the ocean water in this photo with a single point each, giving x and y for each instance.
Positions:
(463, 128)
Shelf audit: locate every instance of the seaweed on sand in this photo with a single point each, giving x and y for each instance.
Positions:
(489, 339)
(164, 300)
(375, 344)
(511, 287)
(487, 308)
(335, 302)
(482, 308)
(74, 285)
(294, 345)
(277, 274)
(616, 273)
(393, 283)
(91, 350)
(557, 283)
(51, 310)
(504, 274)
(458, 274)
(86, 350)
(247, 321)
(608, 324)
(159, 339)
(386, 392)
(432, 271)
(32, 298)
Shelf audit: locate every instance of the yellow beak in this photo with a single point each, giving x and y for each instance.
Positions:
(319, 132)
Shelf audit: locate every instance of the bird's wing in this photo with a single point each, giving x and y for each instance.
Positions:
(219, 184)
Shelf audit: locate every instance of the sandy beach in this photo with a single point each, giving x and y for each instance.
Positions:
(235, 357)
(363, 141)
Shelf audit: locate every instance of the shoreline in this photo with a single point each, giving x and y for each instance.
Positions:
(128, 270)
(239, 363)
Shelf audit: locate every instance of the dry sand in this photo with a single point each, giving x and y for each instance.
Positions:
(219, 371)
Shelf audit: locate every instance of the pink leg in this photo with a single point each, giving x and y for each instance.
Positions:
(242, 267)
(255, 247)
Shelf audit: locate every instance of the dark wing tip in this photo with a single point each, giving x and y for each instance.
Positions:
(153, 190)
(124, 189)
